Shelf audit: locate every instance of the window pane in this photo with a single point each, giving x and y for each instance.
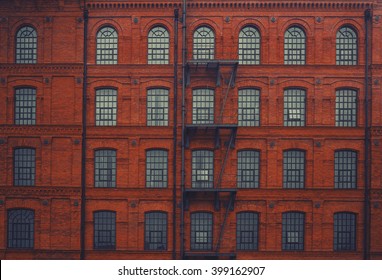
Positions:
(344, 231)
(294, 107)
(249, 46)
(107, 46)
(247, 231)
(346, 107)
(345, 170)
(346, 46)
(24, 166)
(294, 169)
(20, 228)
(156, 169)
(157, 107)
(26, 45)
(203, 106)
(104, 230)
(105, 168)
(155, 231)
(25, 106)
(201, 231)
(204, 43)
(202, 169)
(293, 231)
(248, 163)
(294, 46)
(249, 107)
(106, 107)
(158, 46)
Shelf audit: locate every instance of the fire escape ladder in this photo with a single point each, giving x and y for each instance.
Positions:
(229, 208)
(231, 84)
(229, 146)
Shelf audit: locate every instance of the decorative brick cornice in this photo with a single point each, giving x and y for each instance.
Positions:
(232, 5)
(39, 130)
(41, 68)
(38, 192)
(376, 131)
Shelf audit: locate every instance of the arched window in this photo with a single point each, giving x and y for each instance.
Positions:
(294, 169)
(155, 230)
(106, 107)
(157, 107)
(247, 230)
(249, 46)
(201, 231)
(26, 45)
(294, 107)
(346, 46)
(248, 169)
(202, 169)
(248, 107)
(156, 169)
(20, 228)
(204, 43)
(158, 46)
(346, 107)
(105, 168)
(107, 46)
(294, 46)
(203, 106)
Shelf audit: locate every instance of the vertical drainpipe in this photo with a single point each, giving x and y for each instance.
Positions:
(175, 130)
(184, 57)
(366, 212)
(83, 151)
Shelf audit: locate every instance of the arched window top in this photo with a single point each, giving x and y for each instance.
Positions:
(158, 45)
(204, 43)
(294, 46)
(26, 45)
(346, 46)
(107, 46)
(249, 45)
(20, 228)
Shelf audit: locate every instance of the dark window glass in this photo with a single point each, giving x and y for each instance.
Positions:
(158, 46)
(107, 46)
(24, 166)
(104, 230)
(105, 168)
(156, 169)
(157, 107)
(346, 107)
(294, 107)
(248, 165)
(26, 45)
(25, 106)
(247, 224)
(204, 43)
(294, 46)
(249, 46)
(344, 231)
(203, 106)
(106, 107)
(293, 231)
(345, 169)
(202, 169)
(249, 107)
(346, 46)
(155, 231)
(20, 228)
(201, 231)
(294, 169)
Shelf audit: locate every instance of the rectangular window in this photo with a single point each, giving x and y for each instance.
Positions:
(155, 231)
(104, 230)
(202, 169)
(156, 169)
(24, 166)
(248, 163)
(249, 107)
(157, 107)
(294, 169)
(106, 107)
(344, 231)
(20, 228)
(293, 231)
(203, 106)
(247, 231)
(25, 106)
(346, 108)
(345, 169)
(201, 231)
(294, 107)
(105, 166)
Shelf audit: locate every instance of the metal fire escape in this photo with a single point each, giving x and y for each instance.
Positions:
(217, 131)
